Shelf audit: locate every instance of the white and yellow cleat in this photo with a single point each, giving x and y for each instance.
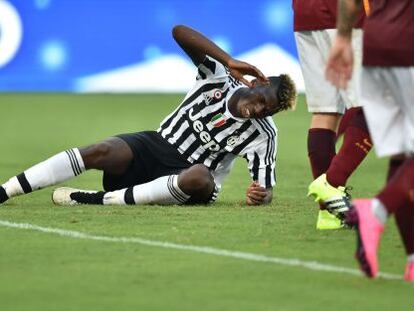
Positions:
(67, 196)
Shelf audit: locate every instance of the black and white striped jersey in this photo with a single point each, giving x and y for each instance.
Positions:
(204, 131)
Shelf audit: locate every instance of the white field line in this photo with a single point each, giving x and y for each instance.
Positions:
(310, 265)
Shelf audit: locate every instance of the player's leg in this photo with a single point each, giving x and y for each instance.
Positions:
(357, 142)
(404, 218)
(320, 99)
(329, 188)
(345, 120)
(112, 155)
(354, 149)
(194, 185)
(372, 214)
(387, 95)
(321, 151)
(321, 141)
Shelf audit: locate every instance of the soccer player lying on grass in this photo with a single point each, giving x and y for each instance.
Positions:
(194, 148)
(387, 92)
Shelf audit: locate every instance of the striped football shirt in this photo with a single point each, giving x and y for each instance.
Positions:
(204, 131)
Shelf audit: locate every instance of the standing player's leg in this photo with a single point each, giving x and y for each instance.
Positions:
(371, 215)
(329, 188)
(388, 96)
(321, 141)
(355, 147)
(112, 155)
(357, 141)
(194, 185)
(322, 99)
(404, 218)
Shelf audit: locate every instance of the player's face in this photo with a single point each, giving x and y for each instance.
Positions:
(259, 102)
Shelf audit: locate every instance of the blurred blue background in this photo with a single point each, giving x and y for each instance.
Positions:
(58, 45)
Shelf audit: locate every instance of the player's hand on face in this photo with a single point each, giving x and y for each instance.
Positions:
(255, 194)
(340, 62)
(239, 69)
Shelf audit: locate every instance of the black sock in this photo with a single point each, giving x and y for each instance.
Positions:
(88, 198)
(3, 195)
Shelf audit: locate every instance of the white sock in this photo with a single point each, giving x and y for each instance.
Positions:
(379, 211)
(410, 258)
(163, 190)
(61, 167)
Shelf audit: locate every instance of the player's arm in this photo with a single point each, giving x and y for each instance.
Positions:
(348, 11)
(340, 62)
(258, 195)
(197, 46)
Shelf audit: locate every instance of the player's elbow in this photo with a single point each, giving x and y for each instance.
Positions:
(177, 32)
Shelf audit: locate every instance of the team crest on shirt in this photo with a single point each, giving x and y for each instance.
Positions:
(233, 140)
(218, 120)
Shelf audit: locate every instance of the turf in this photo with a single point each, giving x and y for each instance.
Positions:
(40, 271)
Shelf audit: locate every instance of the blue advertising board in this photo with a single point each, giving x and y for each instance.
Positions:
(88, 45)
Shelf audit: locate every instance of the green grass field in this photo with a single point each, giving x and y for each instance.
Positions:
(45, 271)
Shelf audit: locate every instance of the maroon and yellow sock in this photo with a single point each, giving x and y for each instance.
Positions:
(355, 147)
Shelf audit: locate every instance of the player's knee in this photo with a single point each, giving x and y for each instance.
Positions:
(96, 155)
(197, 180)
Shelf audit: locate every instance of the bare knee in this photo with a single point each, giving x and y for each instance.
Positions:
(198, 182)
(112, 155)
(326, 121)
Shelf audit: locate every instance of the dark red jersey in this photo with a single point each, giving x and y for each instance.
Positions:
(389, 34)
(316, 15)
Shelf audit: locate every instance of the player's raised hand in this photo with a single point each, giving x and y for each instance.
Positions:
(239, 69)
(255, 194)
(340, 62)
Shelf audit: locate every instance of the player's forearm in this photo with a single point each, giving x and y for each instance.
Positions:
(197, 45)
(348, 11)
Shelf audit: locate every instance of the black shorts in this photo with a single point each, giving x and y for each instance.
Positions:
(153, 157)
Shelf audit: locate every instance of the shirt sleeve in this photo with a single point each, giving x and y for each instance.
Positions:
(261, 158)
(223, 169)
(211, 68)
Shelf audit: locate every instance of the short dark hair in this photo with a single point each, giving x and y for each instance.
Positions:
(285, 91)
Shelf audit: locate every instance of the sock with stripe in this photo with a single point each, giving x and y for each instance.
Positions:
(355, 147)
(59, 168)
(3, 195)
(163, 190)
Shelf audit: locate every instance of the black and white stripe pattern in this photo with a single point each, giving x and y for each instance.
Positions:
(190, 128)
(176, 193)
(24, 183)
(76, 167)
(129, 196)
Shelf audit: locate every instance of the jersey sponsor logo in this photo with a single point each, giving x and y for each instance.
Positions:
(218, 120)
(198, 126)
